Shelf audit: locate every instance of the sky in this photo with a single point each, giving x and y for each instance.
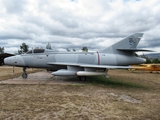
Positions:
(73, 24)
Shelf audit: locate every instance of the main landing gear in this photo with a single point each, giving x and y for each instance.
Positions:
(82, 78)
(24, 75)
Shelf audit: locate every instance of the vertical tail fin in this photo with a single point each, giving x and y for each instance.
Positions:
(130, 42)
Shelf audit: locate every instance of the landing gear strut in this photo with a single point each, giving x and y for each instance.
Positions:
(24, 75)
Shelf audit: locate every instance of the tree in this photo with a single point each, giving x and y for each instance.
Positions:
(155, 60)
(23, 48)
(68, 50)
(48, 46)
(1, 50)
(148, 61)
(85, 49)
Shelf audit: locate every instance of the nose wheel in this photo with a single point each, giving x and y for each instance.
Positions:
(24, 75)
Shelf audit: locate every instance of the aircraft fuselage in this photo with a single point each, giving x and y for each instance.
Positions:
(41, 60)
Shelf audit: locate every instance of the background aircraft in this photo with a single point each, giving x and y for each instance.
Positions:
(147, 67)
(82, 64)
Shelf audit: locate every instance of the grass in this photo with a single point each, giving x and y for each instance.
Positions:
(103, 98)
(102, 80)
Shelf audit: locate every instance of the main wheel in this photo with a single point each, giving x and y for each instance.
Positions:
(24, 75)
(82, 78)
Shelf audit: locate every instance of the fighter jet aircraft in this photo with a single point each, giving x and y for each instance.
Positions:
(81, 64)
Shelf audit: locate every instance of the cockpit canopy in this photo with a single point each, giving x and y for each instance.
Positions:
(40, 50)
(36, 51)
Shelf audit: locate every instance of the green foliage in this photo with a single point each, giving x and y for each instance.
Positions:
(1, 50)
(68, 50)
(23, 48)
(48, 46)
(155, 60)
(148, 61)
(85, 49)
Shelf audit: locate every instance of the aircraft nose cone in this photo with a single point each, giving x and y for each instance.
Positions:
(14, 61)
(8, 61)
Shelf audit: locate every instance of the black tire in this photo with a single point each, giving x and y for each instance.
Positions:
(24, 75)
(82, 78)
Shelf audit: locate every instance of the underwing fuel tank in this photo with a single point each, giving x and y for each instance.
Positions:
(78, 73)
(64, 72)
(89, 73)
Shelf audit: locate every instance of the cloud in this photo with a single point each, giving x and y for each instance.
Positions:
(78, 23)
(14, 6)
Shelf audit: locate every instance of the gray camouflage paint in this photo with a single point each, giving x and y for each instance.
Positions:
(119, 54)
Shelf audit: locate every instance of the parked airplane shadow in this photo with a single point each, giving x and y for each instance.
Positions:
(97, 80)
(68, 79)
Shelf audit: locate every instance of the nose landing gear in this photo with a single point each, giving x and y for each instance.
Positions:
(24, 75)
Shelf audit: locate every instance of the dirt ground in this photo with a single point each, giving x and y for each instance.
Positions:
(127, 95)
